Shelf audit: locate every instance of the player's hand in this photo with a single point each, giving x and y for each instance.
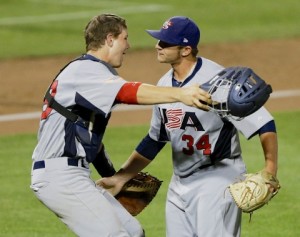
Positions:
(111, 184)
(196, 97)
(272, 170)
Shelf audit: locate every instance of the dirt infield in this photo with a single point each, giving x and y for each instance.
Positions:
(23, 81)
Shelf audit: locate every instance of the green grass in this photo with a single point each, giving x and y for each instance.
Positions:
(279, 217)
(51, 27)
(40, 28)
(22, 214)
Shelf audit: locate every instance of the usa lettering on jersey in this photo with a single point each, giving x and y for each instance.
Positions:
(179, 119)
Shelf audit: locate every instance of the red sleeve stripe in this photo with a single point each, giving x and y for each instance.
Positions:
(128, 93)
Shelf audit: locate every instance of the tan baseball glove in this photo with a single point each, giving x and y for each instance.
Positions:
(254, 192)
(138, 192)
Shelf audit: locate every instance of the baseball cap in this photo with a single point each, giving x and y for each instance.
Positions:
(178, 30)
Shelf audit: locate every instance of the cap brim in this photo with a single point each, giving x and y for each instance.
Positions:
(155, 34)
(158, 34)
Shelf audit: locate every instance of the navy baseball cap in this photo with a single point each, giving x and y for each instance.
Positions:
(178, 30)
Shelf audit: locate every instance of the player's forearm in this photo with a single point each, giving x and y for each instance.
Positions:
(132, 166)
(149, 94)
(270, 148)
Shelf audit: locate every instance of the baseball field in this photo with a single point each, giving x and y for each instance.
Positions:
(38, 37)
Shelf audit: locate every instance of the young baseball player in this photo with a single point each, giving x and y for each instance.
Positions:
(206, 150)
(76, 110)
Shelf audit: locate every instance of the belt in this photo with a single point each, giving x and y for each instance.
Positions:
(71, 162)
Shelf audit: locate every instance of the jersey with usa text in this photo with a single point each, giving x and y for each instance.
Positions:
(87, 87)
(199, 138)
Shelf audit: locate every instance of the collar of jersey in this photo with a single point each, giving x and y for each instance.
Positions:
(92, 58)
(176, 83)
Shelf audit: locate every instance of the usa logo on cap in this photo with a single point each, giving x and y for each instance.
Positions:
(167, 24)
(178, 30)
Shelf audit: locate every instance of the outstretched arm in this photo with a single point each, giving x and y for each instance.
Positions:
(145, 94)
(148, 94)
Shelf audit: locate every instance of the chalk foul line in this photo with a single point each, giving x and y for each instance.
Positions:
(35, 115)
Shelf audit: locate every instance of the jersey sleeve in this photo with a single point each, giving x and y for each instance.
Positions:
(149, 148)
(157, 130)
(100, 87)
(252, 123)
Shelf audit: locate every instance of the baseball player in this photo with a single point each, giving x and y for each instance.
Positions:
(77, 107)
(206, 150)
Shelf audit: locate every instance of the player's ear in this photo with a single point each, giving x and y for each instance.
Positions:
(186, 51)
(110, 40)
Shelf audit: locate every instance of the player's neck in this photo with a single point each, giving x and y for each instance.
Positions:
(97, 54)
(183, 69)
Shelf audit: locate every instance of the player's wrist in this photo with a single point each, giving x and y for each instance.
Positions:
(271, 168)
(123, 176)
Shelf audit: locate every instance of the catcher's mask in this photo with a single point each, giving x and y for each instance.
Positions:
(237, 92)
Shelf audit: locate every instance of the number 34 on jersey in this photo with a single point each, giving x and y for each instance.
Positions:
(179, 119)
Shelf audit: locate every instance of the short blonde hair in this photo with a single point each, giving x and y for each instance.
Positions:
(99, 27)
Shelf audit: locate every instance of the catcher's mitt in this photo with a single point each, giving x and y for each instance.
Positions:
(254, 192)
(138, 192)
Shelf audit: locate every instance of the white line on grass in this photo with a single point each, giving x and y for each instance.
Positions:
(80, 15)
(82, 3)
(20, 116)
(88, 3)
(36, 115)
(285, 93)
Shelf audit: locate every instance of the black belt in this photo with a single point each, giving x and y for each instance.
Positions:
(71, 162)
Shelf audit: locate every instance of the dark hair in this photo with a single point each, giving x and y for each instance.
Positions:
(195, 52)
(99, 27)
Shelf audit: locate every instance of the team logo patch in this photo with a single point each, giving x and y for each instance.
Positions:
(180, 119)
(167, 24)
(174, 118)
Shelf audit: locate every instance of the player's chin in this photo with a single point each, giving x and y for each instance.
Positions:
(161, 58)
(118, 63)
